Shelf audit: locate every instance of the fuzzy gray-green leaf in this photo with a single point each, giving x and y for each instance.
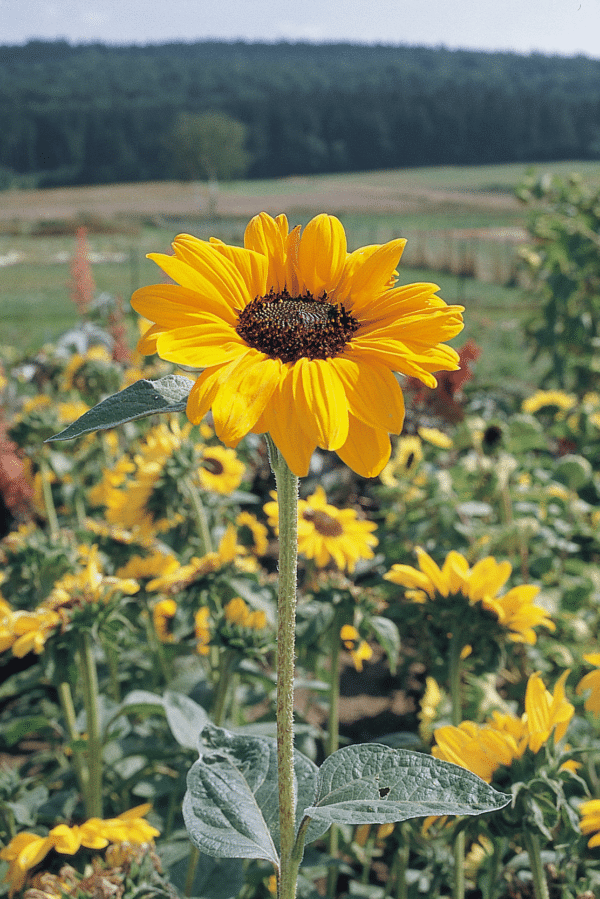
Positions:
(169, 394)
(373, 784)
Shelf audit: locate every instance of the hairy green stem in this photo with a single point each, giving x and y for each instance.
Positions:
(219, 708)
(540, 882)
(48, 501)
(68, 709)
(456, 700)
(400, 865)
(333, 737)
(199, 514)
(287, 498)
(92, 714)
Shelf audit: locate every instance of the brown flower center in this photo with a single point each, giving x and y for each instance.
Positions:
(212, 465)
(292, 328)
(323, 522)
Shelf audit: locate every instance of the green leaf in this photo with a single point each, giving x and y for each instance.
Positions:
(214, 878)
(387, 635)
(184, 716)
(373, 784)
(143, 398)
(231, 808)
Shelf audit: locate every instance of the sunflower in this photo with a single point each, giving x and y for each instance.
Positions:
(502, 738)
(298, 338)
(328, 534)
(590, 821)
(591, 682)
(515, 610)
(220, 469)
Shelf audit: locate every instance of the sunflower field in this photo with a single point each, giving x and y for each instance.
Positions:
(438, 678)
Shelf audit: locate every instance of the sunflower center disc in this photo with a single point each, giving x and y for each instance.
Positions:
(323, 523)
(292, 328)
(212, 465)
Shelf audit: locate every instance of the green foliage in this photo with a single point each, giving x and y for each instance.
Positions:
(564, 272)
(208, 145)
(141, 399)
(98, 114)
(231, 806)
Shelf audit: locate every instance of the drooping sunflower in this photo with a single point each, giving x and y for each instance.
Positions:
(298, 338)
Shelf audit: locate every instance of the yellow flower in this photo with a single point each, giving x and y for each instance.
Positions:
(476, 747)
(88, 585)
(591, 682)
(298, 338)
(23, 631)
(155, 564)
(220, 471)
(590, 820)
(430, 702)
(26, 850)
(163, 614)
(202, 630)
(236, 611)
(514, 610)
(257, 530)
(406, 459)
(546, 712)
(435, 437)
(483, 748)
(328, 534)
(542, 398)
(358, 649)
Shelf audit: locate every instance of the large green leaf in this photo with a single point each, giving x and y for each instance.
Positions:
(231, 808)
(373, 784)
(185, 717)
(143, 398)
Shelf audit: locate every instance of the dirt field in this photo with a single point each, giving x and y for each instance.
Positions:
(371, 194)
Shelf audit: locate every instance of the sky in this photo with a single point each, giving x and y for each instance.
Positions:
(565, 27)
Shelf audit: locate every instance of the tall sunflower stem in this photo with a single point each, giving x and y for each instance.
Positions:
(333, 736)
(287, 498)
(200, 515)
(48, 500)
(65, 698)
(540, 882)
(456, 701)
(92, 714)
(219, 709)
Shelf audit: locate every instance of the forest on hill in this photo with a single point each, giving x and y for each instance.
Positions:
(93, 114)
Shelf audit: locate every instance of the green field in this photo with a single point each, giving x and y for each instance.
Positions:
(432, 204)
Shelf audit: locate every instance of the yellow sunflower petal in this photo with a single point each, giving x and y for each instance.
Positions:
(321, 254)
(201, 346)
(321, 402)
(170, 304)
(366, 276)
(242, 397)
(281, 422)
(366, 450)
(252, 266)
(220, 271)
(265, 235)
(374, 395)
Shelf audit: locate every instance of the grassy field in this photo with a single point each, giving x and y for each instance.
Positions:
(429, 206)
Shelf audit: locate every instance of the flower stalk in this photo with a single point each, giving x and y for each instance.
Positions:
(287, 497)
(456, 701)
(94, 736)
(540, 883)
(333, 736)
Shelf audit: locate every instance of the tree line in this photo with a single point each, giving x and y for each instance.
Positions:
(92, 113)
